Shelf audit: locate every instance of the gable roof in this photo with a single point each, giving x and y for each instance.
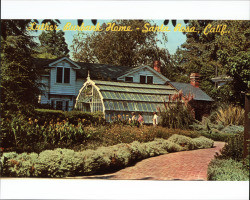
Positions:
(97, 71)
(188, 88)
(65, 58)
(133, 70)
(100, 71)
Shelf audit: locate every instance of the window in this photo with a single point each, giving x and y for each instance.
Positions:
(59, 74)
(129, 79)
(149, 79)
(66, 75)
(58, 105)
(67, 106)
(143, 79)
(63, 75)
(146, 79)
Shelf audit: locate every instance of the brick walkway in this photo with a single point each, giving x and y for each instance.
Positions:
(185, 165)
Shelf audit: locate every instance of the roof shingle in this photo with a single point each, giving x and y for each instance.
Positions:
(188, 88)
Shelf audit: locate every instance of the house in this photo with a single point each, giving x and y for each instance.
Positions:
(113, 90)
(221, 80)
(201, 102)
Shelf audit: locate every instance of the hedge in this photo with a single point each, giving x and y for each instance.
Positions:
(46, 115)
(65, 162)
(227, 170)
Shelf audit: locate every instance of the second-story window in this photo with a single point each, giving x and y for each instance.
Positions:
(59, 74)
(66, 75)
(146, 79)
(129, 79)
(143, 79)
(63, 75)
(149, 79)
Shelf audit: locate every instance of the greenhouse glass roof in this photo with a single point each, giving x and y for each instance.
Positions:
(133, 97)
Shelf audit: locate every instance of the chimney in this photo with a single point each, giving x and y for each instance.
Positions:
(194, 79)
(157, 66)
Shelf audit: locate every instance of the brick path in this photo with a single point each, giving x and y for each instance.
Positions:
(184, 165)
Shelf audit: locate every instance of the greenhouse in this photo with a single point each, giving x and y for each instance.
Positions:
(121, 98)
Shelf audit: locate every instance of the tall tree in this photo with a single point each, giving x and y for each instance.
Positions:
(19, 87)
(129, 48)
(53, 43)
(215, 54)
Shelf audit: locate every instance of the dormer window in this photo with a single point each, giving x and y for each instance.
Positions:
(59, 74)
(62, 75)
(146, 79)
(149, 79)
(129, 79)
(143, 79)
(66, 75)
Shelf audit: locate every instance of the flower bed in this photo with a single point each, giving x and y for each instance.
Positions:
(23, 135)
(65, 162)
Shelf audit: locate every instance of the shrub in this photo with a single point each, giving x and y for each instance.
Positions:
(20, 165)
(230, 115)
(214, 131)
(227, 170)
(233, 148)
(189, 144)
(233, 129)
(126, 134)
(179, 114)
(203, 142)
(65, 162)
(26, 135)
(216, 136)
(185, 142)
(73, 117)
(58, 163)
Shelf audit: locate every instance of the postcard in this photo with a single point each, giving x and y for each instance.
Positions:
(139, 100)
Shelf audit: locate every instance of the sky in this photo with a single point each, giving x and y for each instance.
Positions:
(175, 39)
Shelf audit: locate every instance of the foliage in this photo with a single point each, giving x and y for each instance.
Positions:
(203, 142)
(234, 148)
(216, 135)
(53, 43)
(230, 115)
(179, 114)
(116, 134)
(19, 87)
(47, 115)
(86, 131)
(24, 135)
(233, 129)
(219, 54)
(19, 75)
(65, 162)
(217, 132)
(227, 170)
(15, 27)
(183, 141)
(189, 144)
(175, 72)
(123, 48)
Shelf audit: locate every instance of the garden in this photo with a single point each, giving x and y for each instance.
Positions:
(52, 143)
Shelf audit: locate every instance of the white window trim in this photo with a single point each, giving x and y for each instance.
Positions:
(146, 77)
(63, 74)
